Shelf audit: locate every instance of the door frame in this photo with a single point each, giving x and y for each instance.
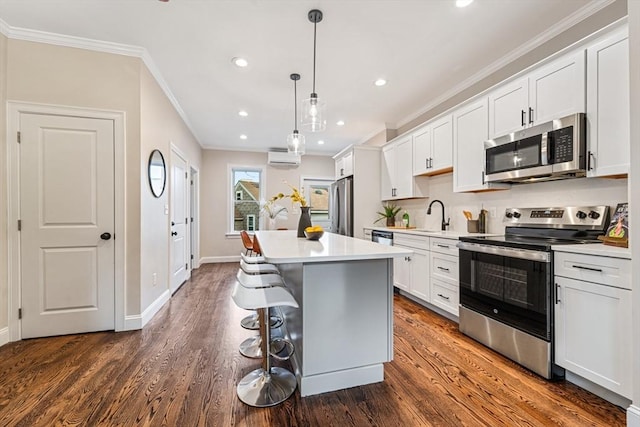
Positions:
(14, 110)
(194, 206)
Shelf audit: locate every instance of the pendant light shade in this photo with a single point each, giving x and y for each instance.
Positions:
(313, 109)
(295, 141)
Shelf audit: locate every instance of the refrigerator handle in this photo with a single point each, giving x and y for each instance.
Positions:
(348, 209)
(335, 209)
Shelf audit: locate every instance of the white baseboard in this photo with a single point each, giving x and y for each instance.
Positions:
(598, 390)
(138, 321)
(218, 259)
(4, 335)
(633, 416)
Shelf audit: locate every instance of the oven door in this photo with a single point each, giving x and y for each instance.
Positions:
(509, 285)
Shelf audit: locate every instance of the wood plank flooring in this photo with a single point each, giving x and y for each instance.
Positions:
(182, 369)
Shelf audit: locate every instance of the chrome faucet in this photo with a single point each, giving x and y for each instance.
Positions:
(444, 224)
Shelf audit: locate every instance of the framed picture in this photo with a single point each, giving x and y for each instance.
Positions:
(617, 233)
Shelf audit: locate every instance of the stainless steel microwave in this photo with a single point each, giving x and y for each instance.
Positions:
(552, 150)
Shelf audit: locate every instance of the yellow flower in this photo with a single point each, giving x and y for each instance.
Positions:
(295, 196)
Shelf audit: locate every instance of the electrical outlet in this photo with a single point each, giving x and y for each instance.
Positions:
(492, 212)
(154, 279)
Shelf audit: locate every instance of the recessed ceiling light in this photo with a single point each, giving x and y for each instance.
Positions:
(380, 82)
(463, 3)
(243, 136)
(240, 62)
(321, 142)
(243, 113)
(340, 122)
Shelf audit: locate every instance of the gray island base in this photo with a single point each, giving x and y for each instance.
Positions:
(343, 330)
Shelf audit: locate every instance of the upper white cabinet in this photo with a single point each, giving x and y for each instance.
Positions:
(549, 92)
(470, 130)
(433, 147)
(344, 165)
(608, 105)
(397, 181)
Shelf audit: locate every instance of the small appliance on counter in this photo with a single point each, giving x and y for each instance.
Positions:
(506, 282)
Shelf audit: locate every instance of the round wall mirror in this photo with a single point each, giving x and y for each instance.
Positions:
(157, 173)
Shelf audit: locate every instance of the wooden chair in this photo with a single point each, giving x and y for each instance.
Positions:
(247, 242)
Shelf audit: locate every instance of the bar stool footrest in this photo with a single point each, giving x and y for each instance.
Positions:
(251, 347)
(281, 349)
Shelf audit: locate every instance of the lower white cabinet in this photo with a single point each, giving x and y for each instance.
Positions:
(431, 273)
(593, 325)
(411, 273)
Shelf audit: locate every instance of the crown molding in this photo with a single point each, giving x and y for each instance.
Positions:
(105, 47)
(563, 25)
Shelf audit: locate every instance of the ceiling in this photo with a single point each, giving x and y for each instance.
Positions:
(427, 50)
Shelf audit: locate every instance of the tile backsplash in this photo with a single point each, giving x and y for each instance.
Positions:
(569, 192)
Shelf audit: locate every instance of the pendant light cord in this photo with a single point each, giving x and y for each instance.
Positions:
(314, 57)
(295, 108)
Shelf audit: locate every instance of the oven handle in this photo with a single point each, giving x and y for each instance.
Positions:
(506, 252)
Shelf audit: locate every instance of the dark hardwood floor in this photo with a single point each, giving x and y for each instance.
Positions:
(182, 368)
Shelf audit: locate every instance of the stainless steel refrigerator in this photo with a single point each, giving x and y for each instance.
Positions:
(342, 206)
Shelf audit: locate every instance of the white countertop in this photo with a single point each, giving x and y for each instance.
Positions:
(447, 234)
(280, 247)
(598, 249)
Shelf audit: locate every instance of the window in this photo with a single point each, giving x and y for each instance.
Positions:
(246, 192)
(318, 193)
(251, 222)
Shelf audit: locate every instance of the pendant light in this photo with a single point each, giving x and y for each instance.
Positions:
(313, 110)
(295, 141)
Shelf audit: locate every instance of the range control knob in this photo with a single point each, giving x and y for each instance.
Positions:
(581, 215)
(594, 215)
(508, 215)
(516, 214)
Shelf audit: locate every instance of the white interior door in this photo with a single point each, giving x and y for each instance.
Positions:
(67, 218)
(179, 221)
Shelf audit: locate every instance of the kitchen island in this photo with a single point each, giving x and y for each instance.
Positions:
(343, 330)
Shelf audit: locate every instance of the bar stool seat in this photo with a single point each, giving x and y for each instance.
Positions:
(257, 259)
(265, 386)
(259, 268)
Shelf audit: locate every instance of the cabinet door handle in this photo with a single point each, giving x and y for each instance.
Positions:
(443, 269)
(443, 297)
(443, 246)
(522, 117)
(557, 294)
(530, 115)
(589, 157)
(580, 267)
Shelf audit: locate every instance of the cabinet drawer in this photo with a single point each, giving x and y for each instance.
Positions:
(591, 268)
(444, 246)
(445, 296)
(445, 268)
(411, 241)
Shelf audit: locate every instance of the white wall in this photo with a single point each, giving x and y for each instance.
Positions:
(570, 192)
(215, 245)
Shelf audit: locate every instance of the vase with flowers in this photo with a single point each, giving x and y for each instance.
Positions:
(272, 211)
(297, 196)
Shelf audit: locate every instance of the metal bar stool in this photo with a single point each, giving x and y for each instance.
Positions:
(267, 385)
(257, 259)
(252, 347)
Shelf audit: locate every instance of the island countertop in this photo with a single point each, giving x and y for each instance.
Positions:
(279, 247)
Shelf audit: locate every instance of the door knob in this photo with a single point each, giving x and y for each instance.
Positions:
(174, 233)
(105, 236)
(173, 223)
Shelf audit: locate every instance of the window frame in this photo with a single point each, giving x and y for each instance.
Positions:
(231, 193)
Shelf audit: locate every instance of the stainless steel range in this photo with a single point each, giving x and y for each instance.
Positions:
(506, 282)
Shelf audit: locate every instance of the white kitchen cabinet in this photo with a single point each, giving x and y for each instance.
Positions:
(433, 147)
(411, 273)
(443, 260)
(397, 181)
(593, 320)
(608, 105)
(365, 163)
(344, 165)
(548, 92)
(470, 130)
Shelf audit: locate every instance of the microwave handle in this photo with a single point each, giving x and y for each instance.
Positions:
(544, 149)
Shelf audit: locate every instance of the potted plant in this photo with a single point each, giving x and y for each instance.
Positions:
(390, 212)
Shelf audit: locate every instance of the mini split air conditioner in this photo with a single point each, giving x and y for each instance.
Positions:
(277, 158)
